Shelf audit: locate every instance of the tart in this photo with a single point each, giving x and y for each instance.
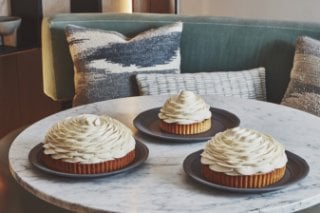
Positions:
(243, 158)
(185, 114)
(88, 144)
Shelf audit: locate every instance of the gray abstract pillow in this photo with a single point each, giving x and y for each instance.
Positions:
(245, 84)
(303, 91)
(105, 62)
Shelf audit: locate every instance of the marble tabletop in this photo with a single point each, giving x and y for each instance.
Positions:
(160, 184)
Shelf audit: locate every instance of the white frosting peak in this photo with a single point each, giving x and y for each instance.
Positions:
(241, 151)
(185, 108)
(88, 138)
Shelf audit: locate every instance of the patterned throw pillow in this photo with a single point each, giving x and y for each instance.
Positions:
(246, 84)
(303, 91)
(106, 62)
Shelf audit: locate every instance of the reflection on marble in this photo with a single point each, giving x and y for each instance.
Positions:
(161, 185)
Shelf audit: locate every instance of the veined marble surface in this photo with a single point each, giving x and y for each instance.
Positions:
(160, 185)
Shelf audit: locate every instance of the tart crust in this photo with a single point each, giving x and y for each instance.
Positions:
(243, 181)
(94, 168)
(187, 129)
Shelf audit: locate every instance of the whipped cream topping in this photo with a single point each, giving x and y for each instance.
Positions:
(88, 138)
(185, 108)
(242, 151)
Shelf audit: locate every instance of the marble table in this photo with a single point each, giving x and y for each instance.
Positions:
(160, 184)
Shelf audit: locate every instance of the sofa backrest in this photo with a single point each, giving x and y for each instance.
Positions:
(208, 44)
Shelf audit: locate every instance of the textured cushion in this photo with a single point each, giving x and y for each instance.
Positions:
(105, 62)
(247, 83)
(303, 91)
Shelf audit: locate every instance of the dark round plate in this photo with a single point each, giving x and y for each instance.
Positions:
(142, 153)
(297, 169)
(148, 122)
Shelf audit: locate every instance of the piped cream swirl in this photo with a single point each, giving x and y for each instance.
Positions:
(184, 108)
(88, 138)
(242, 151)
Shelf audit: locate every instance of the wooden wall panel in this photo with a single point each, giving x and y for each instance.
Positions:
(154, 6)
(141, 6)
(34, 104)
(22, 100)
(157, 6)
(9, 94)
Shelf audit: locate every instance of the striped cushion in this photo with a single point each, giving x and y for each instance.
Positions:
(303, 91)
(246, 84)
(106, 62)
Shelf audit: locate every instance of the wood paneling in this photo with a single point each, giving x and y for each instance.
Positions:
(157, 6)
(142, 6)
(9, 94)
(154, 6)
(34, 104)
(21, 98)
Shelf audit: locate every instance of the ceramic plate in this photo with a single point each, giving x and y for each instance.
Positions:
(142, 153)
(297, 169)
(148, 123)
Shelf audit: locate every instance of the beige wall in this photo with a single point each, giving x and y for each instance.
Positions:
(51, 7)
(4, 8)
(301, 10)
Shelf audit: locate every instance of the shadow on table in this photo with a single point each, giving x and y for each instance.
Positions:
(314, 209)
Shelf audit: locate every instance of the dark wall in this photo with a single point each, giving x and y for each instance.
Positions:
(86, 6)
(31, 12)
